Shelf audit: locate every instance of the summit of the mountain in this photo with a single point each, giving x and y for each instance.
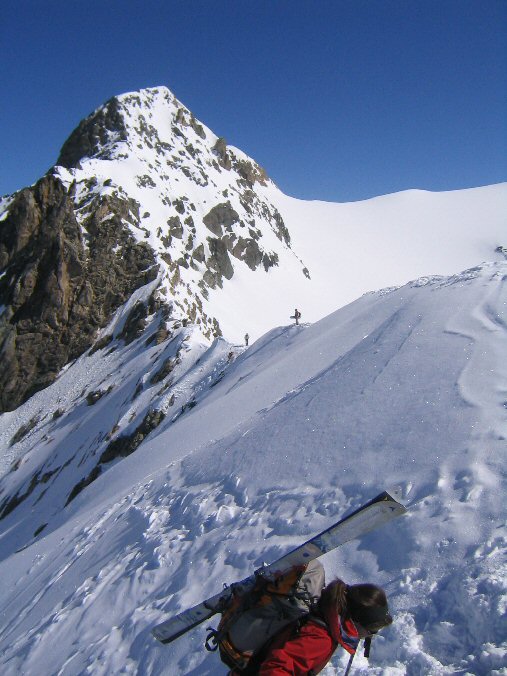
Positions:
(141, 190)
(190, 195)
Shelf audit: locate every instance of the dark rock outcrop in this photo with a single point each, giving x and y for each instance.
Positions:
(219, 260)
(93, 134)
(127, 444)
(250, 172)
(56, 291)
(119, 448)
(221, 216)
(220, 150)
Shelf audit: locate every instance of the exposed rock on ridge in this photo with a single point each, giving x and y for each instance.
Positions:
(56, 291)
(93, 135)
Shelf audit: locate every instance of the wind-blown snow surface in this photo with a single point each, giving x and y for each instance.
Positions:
(402, 386)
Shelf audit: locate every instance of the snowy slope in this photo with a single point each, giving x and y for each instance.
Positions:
(401, 386)
(353, 248)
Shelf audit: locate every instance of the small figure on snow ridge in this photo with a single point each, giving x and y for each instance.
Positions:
(296, 316)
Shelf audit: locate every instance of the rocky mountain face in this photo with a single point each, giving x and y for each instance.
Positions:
(141, 191)
(57, 290)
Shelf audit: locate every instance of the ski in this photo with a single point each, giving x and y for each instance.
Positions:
(373, 514)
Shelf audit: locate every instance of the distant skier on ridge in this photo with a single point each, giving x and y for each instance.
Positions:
(296, 316)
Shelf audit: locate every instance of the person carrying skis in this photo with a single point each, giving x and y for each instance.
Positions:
(344, 615)
(296, 316)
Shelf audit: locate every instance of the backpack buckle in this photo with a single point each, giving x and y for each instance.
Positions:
(212, 640)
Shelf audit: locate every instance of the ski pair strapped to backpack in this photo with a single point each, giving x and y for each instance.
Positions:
(375, 513)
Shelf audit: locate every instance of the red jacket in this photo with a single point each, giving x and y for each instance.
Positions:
(310, 649)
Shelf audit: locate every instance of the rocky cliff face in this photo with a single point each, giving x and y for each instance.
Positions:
(141, 191)
(94, 135)
(58, 290)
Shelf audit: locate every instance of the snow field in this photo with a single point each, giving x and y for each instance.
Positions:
(310, 421)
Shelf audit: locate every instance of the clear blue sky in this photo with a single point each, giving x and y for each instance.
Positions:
(338, 99)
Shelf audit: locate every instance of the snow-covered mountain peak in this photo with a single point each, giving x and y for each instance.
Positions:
(202, 206)
(142, 191)
(142, 123)
(123, 120)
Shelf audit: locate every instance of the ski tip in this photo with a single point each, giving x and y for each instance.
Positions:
(401, 492)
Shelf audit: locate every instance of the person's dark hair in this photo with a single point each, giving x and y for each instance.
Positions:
(365, 604)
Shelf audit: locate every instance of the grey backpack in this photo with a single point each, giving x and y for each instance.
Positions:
(255, 615)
